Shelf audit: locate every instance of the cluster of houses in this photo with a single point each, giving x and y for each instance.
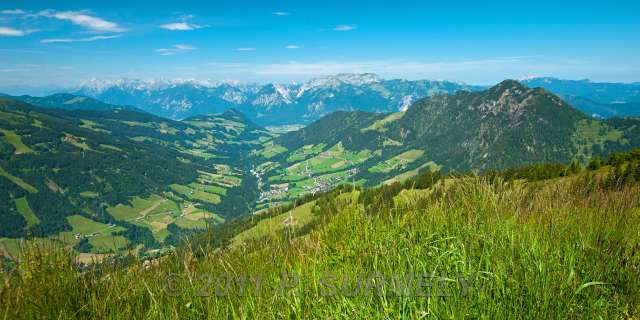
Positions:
(79, 236)
(276, 190)
(326, 184)
(319, 185)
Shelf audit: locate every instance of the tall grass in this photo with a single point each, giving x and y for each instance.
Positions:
(559, 249)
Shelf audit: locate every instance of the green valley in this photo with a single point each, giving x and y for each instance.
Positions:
(153, 180)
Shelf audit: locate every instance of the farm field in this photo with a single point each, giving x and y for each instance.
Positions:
(412, 173)
(22, 205)
(196, 194)
(88, 227)
(18, 181)
(157, 213)
(397, 162)
(296, 218)
(333, 159)
(15, 140)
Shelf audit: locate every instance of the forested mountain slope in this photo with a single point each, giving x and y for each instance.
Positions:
(118, 178)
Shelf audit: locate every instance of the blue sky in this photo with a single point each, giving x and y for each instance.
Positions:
(62, 43)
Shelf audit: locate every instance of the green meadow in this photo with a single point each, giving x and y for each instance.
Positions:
(16, 141)
(18, 181)
(86, 226)
(22, 205)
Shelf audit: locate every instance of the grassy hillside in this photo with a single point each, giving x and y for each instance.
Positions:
(505, 245)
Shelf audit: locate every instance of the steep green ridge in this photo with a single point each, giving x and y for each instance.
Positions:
(504, 126)
(150, 179)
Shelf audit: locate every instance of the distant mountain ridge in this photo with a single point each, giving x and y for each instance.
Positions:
(276, 104)
(68, 101)
(597, 99)
(598, 91)
(269, 104)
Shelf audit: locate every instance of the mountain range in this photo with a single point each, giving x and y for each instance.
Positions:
(277, 104)
(269, 104)
(598, 99)
(274, 104)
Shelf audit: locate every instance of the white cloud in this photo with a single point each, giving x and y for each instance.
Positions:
(10, 32)
(281, 13)
(345, 27)
(469, 70)
(292, 46)
(246, 49)
(14, 11)
(69, 40)
(175, 49)
(81, 18)
(180, 26)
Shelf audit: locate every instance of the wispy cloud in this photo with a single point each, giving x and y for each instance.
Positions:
(292, 46)
(13, 11)
(246, 49)
(281, 13)
(180, 26)
(175, 49)
(69, 40)
(83, 19)
(345, 27)
(403, 69)
(11, 32)
(185, 17)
